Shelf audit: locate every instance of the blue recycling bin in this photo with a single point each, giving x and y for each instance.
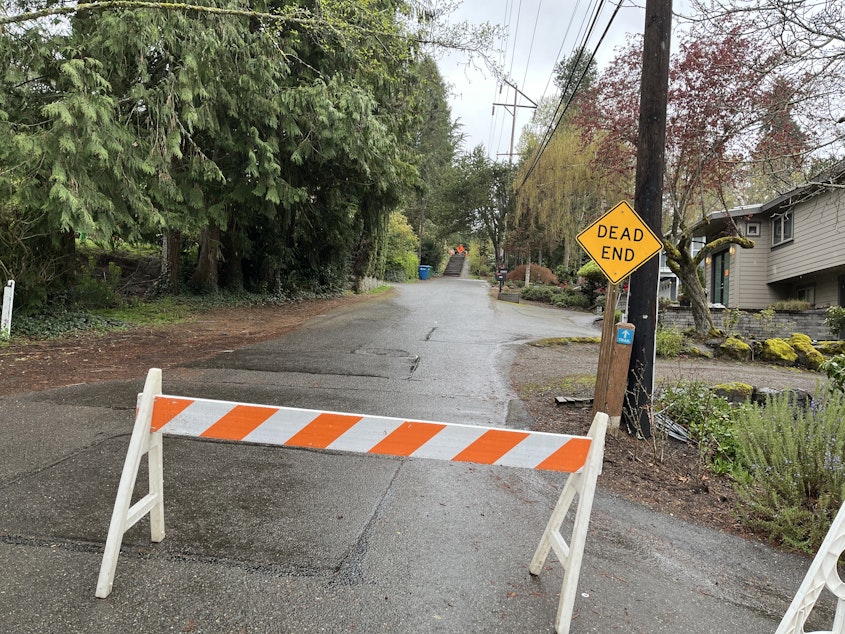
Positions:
(424, 271)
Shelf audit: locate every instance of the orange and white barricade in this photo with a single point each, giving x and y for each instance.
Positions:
(822, 573)
(160, 414)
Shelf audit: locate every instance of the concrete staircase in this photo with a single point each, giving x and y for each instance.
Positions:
(454, 266)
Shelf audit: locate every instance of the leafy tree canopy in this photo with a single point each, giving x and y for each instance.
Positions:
(278, 137)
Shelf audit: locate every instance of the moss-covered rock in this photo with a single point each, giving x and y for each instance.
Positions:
(831, 348)
(808, 356)
(778, 351)
(700, 351)
(735, 348)
(734, 392)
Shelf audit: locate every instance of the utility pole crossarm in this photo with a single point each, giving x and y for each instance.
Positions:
(516, 94)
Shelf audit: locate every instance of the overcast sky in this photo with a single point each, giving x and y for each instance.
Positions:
(540, 33)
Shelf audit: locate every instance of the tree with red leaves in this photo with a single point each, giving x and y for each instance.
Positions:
(721, 106)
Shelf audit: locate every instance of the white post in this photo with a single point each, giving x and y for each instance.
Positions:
(6, 314)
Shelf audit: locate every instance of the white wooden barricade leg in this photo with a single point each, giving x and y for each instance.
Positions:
(126, 515)
(822, 573)
(570, 555)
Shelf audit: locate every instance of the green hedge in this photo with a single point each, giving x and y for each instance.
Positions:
(560, 297)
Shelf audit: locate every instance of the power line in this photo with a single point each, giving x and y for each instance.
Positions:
(562, 109)
(563, 42)
(502, 57)
(531, 46)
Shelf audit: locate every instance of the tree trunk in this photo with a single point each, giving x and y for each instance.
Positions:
(697, 296)
(204, 279)
(68, 266)
(232, 256)
(171, 246)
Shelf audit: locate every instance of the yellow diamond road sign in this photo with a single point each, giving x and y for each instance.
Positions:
(620, 242)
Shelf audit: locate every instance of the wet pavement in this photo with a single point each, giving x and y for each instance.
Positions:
(263, 539)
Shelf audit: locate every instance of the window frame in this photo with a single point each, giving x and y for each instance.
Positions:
(806, 293)
(780, 222)
(753, 230)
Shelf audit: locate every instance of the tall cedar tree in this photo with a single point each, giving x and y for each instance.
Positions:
(280, 146)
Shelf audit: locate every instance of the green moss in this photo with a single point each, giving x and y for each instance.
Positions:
(778, 351)
(554, 342)
(808, 356)
(831, 348)
(700, 352)
(736, 348)
(798, 338)
(734, 392)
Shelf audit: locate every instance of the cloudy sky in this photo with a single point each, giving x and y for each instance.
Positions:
(541, 32)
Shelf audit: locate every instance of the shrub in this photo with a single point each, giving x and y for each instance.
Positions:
(593, 280)
(592, 273)
(401, 255)
(481, 260)
(540, 293)
(795, 466)
(97, 289)
(790, 304)
(834, 368)
(539, 274)
(670, 342)
(709, 420)
(571, 299)
(559, 297)
(835, 320)
(565, 274)
(431, 253)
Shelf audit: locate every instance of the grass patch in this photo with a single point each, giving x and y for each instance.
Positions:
(65, 321)
(570, 385)
(556, 342)
(167, 310)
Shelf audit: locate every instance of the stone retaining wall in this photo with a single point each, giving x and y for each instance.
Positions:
(753, 324)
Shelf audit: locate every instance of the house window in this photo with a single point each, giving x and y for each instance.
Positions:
(806, 294)
(752, 230)
(781, 228)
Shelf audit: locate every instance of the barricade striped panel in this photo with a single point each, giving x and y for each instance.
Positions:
(293, 427)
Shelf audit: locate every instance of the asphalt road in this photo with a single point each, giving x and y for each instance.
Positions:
(263, 539)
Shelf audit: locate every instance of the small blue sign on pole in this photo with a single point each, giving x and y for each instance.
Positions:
(625, 336)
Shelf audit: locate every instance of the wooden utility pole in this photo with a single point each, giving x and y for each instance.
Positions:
(532, 105)
(648, 198)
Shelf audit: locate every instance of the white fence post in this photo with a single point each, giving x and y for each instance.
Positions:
(6, 314)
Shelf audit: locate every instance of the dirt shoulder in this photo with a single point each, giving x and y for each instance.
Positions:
(28, 366)
(661, 473)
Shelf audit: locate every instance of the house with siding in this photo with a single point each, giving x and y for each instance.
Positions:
(799, 248)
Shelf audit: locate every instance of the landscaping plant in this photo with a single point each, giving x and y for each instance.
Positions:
(709, 418)
(835, 370)
(835, 320)
(794, 468)
(670, 342)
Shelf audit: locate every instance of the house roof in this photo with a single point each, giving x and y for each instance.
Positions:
(835, 175)
(716, 221)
